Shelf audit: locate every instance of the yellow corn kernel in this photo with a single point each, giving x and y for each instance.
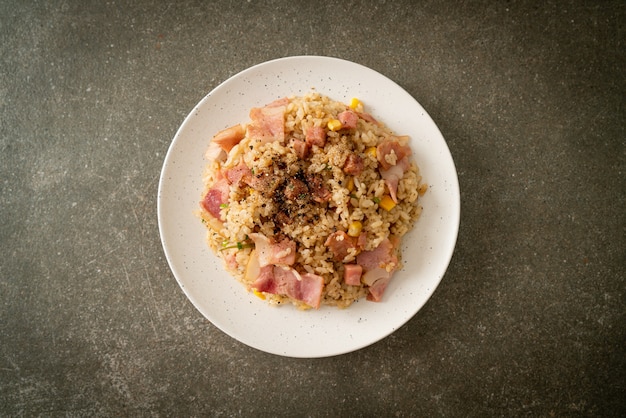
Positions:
(334, 125)
(258, 294)
(354, 103)
(371, 151)
(350, 185)
(354, 230)
(387, 203)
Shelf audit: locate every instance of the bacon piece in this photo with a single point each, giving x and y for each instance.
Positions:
(393, 157)
(281, 252)
(264, 182)
(296, 190)
(301, 148)
(239, 173)
(265, 282)
(216, 197)
(382, 256)
(352, 274)
(385, 148)
(315, 135)
(379, 265)
(268, 123)
(229, 137)
(317, 188)
(286, 281)
(354, 165)
(393, 175)
(310, 289)
(348, 119)
(340, 244)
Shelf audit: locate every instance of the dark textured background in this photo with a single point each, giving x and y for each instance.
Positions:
(530, 317)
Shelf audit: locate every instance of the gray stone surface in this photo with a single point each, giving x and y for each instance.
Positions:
(529, 319)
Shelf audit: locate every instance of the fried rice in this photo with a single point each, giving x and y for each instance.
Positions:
(307, 202)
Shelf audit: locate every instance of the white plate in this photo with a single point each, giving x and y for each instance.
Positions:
(284, 330)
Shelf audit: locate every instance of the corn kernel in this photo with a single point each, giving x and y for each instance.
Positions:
(334, 125)
(350, 185)
(354, 103)
(258, 294)
(354, 230)
(371, 151)
(387, 203)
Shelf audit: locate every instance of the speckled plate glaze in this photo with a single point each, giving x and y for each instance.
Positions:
(285, 330)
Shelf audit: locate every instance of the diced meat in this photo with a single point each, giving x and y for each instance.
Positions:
(239, 173)
(229, 137)
(214, 152)
(319, 191)
(383, 256)
(301, 148)
(340, 244)
(286, 281)
(264, 182)
(354, 165)
(348, 119)
(393, 157)
(310, 289)
(378, 265)
(268, 123)
(386, 148)
(216, 197)
(393, 175)
(352, 274)
(283, 252)
(269, 252)
(296, 189)
(315, 135)
(265, 282)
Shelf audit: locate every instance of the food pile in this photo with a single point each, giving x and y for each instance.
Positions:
(308, 202)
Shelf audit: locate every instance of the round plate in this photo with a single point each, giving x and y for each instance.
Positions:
(285, 330)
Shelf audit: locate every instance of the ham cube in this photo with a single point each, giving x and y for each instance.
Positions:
(315, 135)
(348, 119)
(216, 197)
(352, 274)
